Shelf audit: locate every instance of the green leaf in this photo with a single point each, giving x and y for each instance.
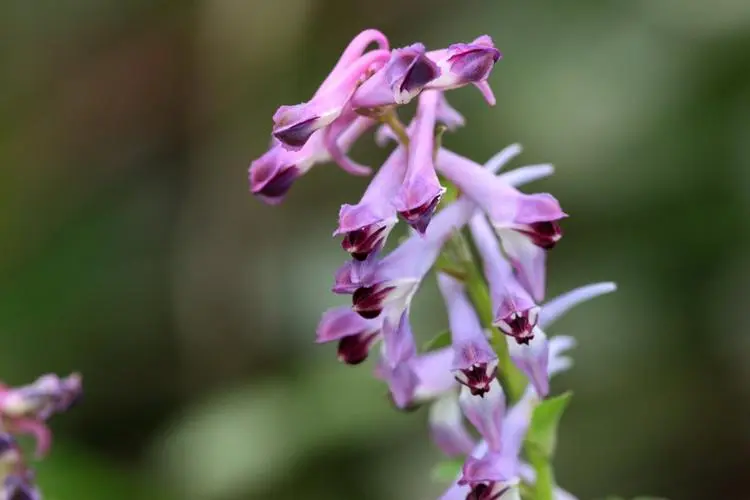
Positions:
(542, 434)
(442, 339)
(447, 471)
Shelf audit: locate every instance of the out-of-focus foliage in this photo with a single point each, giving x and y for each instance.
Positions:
(132, 251)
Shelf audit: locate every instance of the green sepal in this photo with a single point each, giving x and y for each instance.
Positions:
(447, 471)
(442, 339)
(542, 435)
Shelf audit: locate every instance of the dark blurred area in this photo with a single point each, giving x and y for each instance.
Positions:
(131, 250)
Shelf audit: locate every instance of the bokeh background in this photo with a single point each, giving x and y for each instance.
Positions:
(131, 250)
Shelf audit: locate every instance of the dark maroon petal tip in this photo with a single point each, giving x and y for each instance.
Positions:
(477, 378)
(368, 301)
(360, 243)
(354, 349)
(419, 218)
(544, 234)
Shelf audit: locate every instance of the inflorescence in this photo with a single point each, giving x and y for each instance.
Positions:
(25, 410)
(485, 239)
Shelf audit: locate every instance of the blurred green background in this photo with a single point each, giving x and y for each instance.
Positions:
(130, 248)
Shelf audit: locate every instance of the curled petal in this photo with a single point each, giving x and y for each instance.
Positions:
(354, 51)
(294, 125)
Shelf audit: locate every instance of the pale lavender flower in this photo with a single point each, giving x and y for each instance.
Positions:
(524, 222)
(421, 191)
(355, 334)
(396, 278)
(474, 362)
(428, 377)
(464, 63)
(498, 468)
(367, 224)
(515, 311)
(533, 358)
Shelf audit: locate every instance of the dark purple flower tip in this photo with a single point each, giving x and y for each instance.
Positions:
(354, 349)
(472, 62)
(482, 491)
(7, 443)
(544, 234)
(410, 70)
(368, 301)
(270, 179)
(520, 324)
(297, 134)
(419, 217)
(477, 377)
(361, 243)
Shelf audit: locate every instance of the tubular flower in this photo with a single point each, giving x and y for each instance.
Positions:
(474, 361)
(524, 222)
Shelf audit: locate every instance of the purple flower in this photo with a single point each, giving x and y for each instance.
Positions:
(497, 468)
(540, 357)
(515, 311)
(464, 63)
(474, 362)
(20, 486)
(24, 410)
(273, 174)
(447, 426)
(397, 353)
(421, 191)
(355, 334)
(423, 377)
(396, 278)
(366, 225)
(294, 125)
(399, 81)
(525, 223)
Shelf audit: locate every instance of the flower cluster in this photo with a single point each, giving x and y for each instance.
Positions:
(493, 289)
(25, 410)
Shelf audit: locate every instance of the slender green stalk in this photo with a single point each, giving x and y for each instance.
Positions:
(391, 119)
(545, 478)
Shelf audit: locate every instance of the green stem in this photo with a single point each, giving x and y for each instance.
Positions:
(391, 119)
(544, 488)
